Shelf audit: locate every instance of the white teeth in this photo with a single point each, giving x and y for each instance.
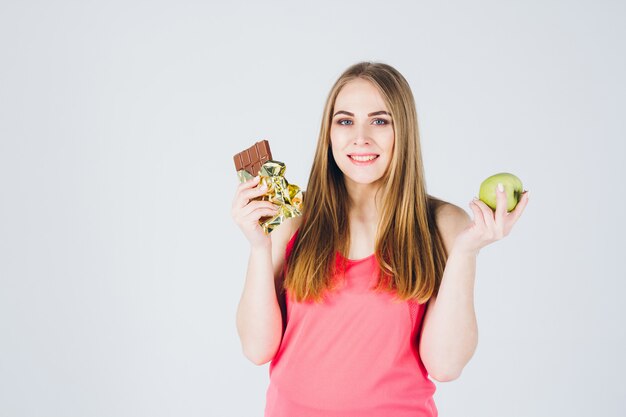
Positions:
(362, 158)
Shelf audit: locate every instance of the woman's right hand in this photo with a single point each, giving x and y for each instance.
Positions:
(247, 212)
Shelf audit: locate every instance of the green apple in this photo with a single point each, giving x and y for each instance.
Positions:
(512, 188)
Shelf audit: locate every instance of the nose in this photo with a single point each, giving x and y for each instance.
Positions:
(361, 141)
(361, 137)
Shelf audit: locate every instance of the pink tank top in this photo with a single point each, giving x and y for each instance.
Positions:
(354, 355)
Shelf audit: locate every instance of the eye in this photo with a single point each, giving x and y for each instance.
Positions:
(380, 122)
(345, 122)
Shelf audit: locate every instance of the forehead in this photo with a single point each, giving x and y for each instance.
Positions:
(360, 94)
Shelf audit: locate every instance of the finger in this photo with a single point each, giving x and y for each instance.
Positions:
(517, 212)
(500, 212)
(256, 205)
(251, 183)
(259, 213)
(246, 185)
(487, 214)
(247, 214)
(252, 193)
(244, 197)
(479, 218)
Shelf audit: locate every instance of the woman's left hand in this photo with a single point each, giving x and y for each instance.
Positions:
(489, 226)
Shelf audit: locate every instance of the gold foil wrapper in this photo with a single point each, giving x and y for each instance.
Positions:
(287, 196)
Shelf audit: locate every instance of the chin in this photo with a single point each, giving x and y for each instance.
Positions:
(364, 180)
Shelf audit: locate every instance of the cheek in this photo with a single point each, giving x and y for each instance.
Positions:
(335, 150)
(335, 136)
(337, 139)
(389, 142)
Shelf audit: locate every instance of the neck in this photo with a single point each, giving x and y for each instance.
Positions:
(363, 218)
(365, 202)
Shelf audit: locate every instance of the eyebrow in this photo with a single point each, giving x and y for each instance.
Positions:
(376, 113)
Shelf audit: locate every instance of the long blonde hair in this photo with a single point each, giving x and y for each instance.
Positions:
(409, 249)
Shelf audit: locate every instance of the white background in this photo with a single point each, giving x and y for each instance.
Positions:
(121, 269)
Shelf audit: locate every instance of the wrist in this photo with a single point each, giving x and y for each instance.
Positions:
(261, 246)
(464, 252)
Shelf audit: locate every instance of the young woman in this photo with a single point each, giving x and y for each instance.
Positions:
(368, 293)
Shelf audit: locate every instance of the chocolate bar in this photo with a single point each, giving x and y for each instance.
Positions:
(253, 158)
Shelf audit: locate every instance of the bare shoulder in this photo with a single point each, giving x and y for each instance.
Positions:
(451, 220)
(284, 232)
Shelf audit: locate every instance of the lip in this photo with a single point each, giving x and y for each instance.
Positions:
(363, 163)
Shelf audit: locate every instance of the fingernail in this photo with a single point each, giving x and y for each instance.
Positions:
(500, 187)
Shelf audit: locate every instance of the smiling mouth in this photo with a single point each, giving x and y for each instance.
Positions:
(363, 158)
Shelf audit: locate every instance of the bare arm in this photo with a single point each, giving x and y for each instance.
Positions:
(259, 318)
(259, 321)
(450, 332)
